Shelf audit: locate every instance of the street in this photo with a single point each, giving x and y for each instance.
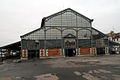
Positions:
(105, 67)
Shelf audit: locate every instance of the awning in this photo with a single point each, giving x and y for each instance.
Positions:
(13, 46)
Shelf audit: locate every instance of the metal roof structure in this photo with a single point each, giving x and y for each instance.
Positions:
(12, 46)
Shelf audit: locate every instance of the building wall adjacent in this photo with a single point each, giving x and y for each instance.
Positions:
(114, 38)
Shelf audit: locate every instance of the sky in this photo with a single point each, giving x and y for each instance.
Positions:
(18, 17)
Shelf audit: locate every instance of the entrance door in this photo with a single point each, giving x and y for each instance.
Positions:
(100, 51)
(33, 54)
(70, 52)
(70, 47)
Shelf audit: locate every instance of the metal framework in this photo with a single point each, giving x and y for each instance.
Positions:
(55, 27)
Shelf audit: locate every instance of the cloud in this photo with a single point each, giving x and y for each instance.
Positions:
(18, 17)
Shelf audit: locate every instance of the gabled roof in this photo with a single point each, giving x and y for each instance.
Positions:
(61, 12)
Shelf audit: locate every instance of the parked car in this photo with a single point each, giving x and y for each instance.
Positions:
(2, 55)
(14, 54)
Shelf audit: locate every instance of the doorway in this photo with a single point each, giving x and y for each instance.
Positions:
(33, 54)
(70, 52)
(101, 51)
(70, 45)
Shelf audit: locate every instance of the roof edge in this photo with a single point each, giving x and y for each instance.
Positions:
(91, 20)
(99, 31)
(30, 32)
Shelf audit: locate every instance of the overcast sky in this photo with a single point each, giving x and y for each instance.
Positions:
(18, 17)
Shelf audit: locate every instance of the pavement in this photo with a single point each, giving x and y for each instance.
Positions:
(105, 67)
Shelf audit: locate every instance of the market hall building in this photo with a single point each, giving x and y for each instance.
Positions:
(65, 33)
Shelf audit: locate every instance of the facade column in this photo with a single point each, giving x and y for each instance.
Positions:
(62, 52)
(24, 54)
(39, 49)
(24, 51)
(106, 50)
(108, 46)
(45, 43)
(91, 42)
(77, 46)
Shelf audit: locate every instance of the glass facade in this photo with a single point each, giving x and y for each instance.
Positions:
(68, 19)
(57, 26)
(35, 35)
(53, 34)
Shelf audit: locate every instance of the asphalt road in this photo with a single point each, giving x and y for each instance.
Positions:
(105, 67)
